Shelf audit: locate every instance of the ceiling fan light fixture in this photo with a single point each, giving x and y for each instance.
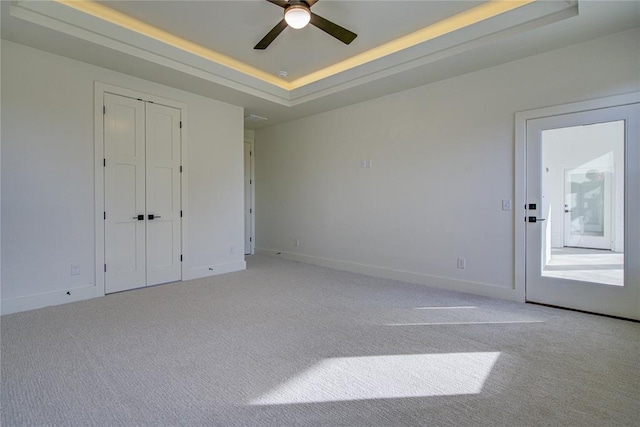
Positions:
(297, 16)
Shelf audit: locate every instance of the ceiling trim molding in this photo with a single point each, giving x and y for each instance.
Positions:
(456, 22)
(301, 98)
(58, 17)
(483, 24)
(125, 21)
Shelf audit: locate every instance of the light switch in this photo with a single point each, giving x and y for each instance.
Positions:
(506, 205)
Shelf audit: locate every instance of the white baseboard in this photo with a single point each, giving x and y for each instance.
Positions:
(33, 302)
(214, 270)
(477, 288)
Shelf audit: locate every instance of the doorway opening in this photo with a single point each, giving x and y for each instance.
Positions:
(577, 241)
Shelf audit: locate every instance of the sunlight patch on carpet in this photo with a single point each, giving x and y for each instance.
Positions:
(385, 377)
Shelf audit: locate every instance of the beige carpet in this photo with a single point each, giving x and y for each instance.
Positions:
(289, 344)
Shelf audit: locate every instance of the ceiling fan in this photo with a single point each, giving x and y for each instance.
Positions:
(297, 14)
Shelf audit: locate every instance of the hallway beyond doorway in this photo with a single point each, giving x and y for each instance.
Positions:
(588, 265)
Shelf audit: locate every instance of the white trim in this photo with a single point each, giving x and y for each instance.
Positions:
(100, 89)
(33, 302)
(53, 15)
(521, 168)
(345, 80)
(214, 270)
(98, 170)
(477, 288)
(61, 18)
(184, 193)
(249, 137)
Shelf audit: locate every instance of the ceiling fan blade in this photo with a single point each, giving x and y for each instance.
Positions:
(335, 30)
(311, 2)
(281, 3)
(271, 36)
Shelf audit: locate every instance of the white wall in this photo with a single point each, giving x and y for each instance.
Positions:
(48, 178)
(442, 161)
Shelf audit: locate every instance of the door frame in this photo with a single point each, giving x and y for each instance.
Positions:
(99, 90)
(521, 119)
(249, 138)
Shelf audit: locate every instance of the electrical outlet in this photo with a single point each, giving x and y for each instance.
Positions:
(363, 164)
(75, 269)
(462, 263)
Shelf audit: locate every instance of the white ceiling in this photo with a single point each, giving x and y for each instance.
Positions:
(215, 30)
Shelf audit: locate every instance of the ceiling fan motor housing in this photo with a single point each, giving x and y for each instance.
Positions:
(297, 15)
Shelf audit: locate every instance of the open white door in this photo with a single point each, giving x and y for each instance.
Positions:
(589, 206)
(600, 148)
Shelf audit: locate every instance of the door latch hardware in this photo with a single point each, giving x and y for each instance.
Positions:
(152, 216)
(139, 217)
(534, 219)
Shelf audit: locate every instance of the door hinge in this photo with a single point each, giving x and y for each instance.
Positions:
(250, 210)
(180, 257)
(180, 168)
(105, 268)
(250, 181)
(180, 124)
(251, 239)
(104, 109)
(180, 214)
(251, 153)
(105, 215)
(104, 163)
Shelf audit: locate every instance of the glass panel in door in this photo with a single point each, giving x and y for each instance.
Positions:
(580, 164)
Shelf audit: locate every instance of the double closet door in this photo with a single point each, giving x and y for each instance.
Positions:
(142, 193)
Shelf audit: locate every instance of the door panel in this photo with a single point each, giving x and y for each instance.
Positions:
(600, 150)
(163, 194)
(588, 208)
(124, 193)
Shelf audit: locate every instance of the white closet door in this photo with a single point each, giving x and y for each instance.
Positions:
(163, 194)
(124, 147)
